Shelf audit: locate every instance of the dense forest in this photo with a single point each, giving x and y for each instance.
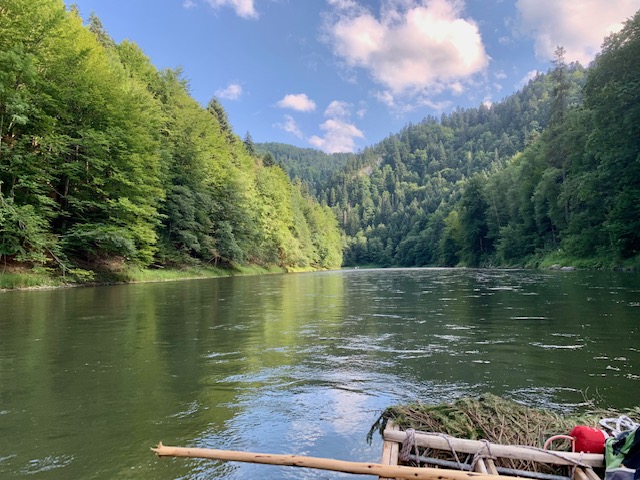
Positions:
(549, 175)
(106, 161)
(313, 167)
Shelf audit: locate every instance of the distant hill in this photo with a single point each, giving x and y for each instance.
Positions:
(312, 167)
(423, 196)
(549, 175)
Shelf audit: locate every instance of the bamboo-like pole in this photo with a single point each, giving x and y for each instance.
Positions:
(460, 445)
(362, 468)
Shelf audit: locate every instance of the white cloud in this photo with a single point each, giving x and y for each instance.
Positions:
(343, 4)
(578, 26)
(299, 102)
(437, 106)
(339, 133)
(243, 8)
(457, 88)
(413, 45)
(289, 126)
(339, 137)
(527, 78)
(232, 92)
(188, 4)
(337, 109)
(386, 98)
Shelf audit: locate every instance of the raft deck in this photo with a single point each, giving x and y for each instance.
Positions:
(451, 453)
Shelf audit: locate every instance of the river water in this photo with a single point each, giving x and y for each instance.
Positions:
(91, 378)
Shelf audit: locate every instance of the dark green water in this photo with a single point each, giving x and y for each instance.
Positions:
(303, 364)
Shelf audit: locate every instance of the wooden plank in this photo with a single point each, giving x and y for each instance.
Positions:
(591, 475)
(491, 466)
(505, 451)
(480, 466)
(390, 449)
(391, 471)
(579, 474)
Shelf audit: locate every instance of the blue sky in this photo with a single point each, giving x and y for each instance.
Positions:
(340, 75)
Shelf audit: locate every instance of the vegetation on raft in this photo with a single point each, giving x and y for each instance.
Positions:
(497, 420)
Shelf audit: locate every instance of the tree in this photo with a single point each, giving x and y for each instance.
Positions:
(268, 160)
(217, 111)
(473, 222)
(248, 144)
(612, 93)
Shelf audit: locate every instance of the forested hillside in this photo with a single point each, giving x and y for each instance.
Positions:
(105, 161)
(551, 173)
(312, 167)
(408, 200)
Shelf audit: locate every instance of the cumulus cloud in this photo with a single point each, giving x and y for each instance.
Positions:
(386, 98)
(299, 102)
(579, 27)
(232, 92)
(337, 109)
(188, 4)
(437, 106)
(290, 126)
(243, 8)
(339, 136)
(411, 45)
(339, 133)
(527, 78)
(343, 4)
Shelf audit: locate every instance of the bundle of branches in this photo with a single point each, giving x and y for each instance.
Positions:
(495, 419)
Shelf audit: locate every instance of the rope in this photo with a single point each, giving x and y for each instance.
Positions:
(618, 425)
(573, 468)
(408, 445)
(453, 450)
(575, 463)
(479, 455)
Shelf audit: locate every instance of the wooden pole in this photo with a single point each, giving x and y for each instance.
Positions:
(391, 471)
(390, 450)
(460, 445)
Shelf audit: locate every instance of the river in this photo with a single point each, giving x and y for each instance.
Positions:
(91, 378)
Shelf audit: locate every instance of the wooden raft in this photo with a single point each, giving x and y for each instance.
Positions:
(581, 465)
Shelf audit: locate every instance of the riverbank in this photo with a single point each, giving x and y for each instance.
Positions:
(24, 279)
(20, 278)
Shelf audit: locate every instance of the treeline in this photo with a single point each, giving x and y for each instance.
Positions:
(105, 160)
(313, 167)
(551, 173)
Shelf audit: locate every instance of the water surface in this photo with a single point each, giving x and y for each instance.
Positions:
(90, 378)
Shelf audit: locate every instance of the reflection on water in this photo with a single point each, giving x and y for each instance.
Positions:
(302, 364)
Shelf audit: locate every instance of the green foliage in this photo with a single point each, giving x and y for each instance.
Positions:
(107, 161)
(313, 167)
(551, 170)
(23, 233)
(613, 95)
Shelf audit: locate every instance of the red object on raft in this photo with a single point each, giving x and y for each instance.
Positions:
(588, 439)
